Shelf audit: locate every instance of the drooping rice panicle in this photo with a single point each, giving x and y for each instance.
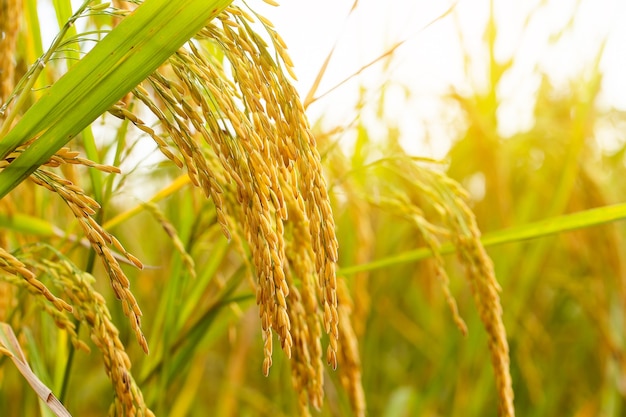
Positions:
(304, 311)
(448, 200)
(89, 307)
(83, 207)
(350, 372)
(11, 265)
(244, 114)
(239, 130)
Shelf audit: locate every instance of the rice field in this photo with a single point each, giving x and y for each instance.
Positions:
(177, 238)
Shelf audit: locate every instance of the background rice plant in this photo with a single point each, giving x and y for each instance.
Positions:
(404, 302)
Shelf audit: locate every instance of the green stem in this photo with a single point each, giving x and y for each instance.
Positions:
(68, 367)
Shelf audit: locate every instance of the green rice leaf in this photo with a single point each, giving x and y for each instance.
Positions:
(126, 56)
(547, 227)
(24, 223)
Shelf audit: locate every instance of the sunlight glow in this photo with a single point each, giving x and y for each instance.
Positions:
(431, 63)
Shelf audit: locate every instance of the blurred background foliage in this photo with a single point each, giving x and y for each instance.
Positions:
(563, 296)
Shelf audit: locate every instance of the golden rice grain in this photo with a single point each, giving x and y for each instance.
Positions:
(12, 265)
(91, 308)
(265, 21)
(240, 131)
(81, 206)
(271, 2)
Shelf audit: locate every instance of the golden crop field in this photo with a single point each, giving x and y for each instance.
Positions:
(179, 238)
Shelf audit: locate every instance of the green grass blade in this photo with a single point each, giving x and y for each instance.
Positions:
(24, 223)
(188, 340)
(551, 226)
(63, 9)
(92, 153)
(133, 50)
(33, 45)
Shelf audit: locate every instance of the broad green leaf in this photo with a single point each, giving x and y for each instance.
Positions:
(125, 57)
(28, 224)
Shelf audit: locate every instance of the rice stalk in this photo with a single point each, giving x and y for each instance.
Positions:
(239, 129)
(365, 238)
(173, 235)
(89, 307)
(84, 207)
(259, 141)
(449, 201)
(10, 18)
(9, 346)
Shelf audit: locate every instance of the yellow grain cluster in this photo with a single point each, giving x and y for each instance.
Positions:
(67, 156)
(239, 126)
(83, 207)
(456, 221)
(461, 222)
(303, 304)
(11, 265)
(400, 205)
(485, 289)
(350, 373)
(239, 129)
(90, 308)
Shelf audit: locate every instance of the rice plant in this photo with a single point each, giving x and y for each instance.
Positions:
(244, 140)
(169, 214)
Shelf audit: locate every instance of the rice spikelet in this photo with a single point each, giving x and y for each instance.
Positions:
(83, 207)
(11, 265)
(448, 200)
(244, 139)
(90, 308)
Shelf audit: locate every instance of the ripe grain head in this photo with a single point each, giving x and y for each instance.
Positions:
(457, 222)
(89, 307)
(250, 117)
(83, 207)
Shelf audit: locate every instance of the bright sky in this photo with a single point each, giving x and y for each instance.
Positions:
(432, 60)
